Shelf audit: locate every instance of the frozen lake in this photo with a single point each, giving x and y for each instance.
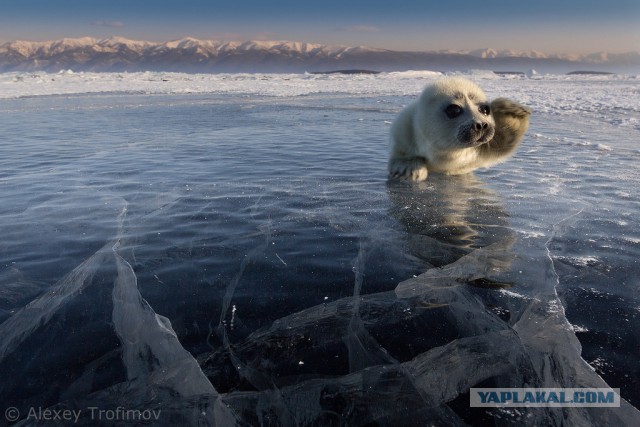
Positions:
(227, 249)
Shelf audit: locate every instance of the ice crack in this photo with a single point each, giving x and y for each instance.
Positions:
(556, 228)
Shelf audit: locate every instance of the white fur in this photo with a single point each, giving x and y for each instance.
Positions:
(425, 139)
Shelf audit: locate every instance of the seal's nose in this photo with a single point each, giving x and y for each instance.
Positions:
(480, 125)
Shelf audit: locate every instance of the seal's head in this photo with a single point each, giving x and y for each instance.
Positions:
(457, 114)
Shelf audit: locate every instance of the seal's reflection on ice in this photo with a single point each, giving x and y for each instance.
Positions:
(450, 217)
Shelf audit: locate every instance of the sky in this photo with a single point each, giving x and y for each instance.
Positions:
(551, 26)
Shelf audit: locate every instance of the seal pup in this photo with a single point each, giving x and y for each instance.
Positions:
(453, 129)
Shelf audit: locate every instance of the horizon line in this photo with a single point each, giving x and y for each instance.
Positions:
(223, 40)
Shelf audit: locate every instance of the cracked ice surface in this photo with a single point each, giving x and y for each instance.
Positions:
(235, 255)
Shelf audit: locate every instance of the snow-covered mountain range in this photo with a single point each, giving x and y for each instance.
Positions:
(193, 55)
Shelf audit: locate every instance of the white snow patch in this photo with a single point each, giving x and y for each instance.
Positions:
(578, 328)
(529, 234)
(585, 261)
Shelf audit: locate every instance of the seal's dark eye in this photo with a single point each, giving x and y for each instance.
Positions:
(485, 109)
(453, 111)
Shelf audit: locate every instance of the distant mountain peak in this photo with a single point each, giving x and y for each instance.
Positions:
(191, 54)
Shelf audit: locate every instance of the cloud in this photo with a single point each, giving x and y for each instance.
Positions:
(111, 24)
(359, 29)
